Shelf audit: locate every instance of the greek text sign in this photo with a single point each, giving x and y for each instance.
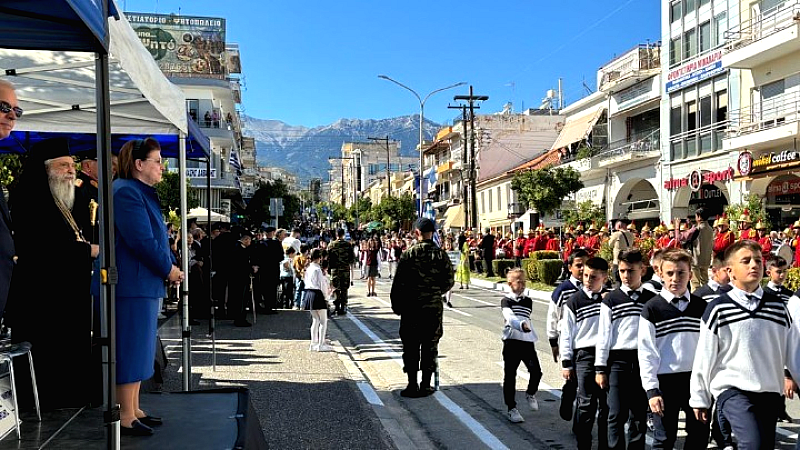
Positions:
(695, 71)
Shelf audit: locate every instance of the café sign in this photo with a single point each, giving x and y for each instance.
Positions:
(698, 178)
(750, 165)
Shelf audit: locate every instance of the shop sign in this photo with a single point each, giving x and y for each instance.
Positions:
(694, 71)
(784, 187)
(698, 178)
(750, 165)
(708, 192)
(636, 95)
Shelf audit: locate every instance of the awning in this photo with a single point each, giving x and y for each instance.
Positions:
(444, 167)
(578, 127)
(201, 214)
(454, 217)
(594, 194)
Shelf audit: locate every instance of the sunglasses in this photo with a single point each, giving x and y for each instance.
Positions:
(6, 108)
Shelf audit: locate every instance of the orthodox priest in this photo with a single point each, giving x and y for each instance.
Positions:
(49, 303)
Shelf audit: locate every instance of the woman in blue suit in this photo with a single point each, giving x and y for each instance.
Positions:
(144, 262)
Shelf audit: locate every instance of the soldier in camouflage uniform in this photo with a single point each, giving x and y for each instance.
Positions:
(340, 257)
(423, 275)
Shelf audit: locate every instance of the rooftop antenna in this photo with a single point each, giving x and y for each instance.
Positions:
(585, 86)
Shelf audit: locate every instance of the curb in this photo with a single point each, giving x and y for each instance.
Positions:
(502, 287)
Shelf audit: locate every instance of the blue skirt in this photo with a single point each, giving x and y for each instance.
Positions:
(137, 325)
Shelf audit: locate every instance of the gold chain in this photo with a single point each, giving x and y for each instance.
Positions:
(70, 220)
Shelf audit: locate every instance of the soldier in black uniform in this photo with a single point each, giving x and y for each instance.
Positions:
(423, 275)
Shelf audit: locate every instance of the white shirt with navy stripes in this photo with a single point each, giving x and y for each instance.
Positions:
(516, 311)
(579, 324)
(746, 340)
(619, 322)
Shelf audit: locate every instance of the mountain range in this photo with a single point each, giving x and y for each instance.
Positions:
(305, 151)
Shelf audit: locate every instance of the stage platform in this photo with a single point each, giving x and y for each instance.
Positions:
(214, 419)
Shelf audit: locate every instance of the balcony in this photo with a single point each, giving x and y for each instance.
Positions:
(641, 62)
(771, 122)
(638, 147)
(769, 36)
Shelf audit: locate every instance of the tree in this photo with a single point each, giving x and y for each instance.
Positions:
(169, 191)
(544, 190)
(754, 207)
(362, 209)
(584, 212)
(392, 211)
(10, 168)
(258, 212)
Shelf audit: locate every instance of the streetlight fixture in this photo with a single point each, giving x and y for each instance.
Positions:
(421, 124)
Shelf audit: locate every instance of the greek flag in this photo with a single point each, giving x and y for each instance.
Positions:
(431, 214)
(235, 163)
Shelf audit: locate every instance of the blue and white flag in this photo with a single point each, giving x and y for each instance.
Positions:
(235, 163)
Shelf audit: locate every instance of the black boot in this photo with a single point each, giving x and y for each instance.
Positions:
(412, 390)
(425, 388)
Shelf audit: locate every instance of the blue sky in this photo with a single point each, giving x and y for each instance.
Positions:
(313, 62)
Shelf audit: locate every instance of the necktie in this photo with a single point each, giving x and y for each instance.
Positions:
(751, 298)
(675, 301)
(596, 297)
(634, 295)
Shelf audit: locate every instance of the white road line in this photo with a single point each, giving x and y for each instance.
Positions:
(482, 433)
(369, 393)
(473, 425)
(445, 306)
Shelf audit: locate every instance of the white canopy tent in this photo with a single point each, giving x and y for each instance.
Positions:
(58, 92)
(203, 216)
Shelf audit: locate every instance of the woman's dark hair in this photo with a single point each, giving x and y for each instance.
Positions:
(316, 254)
(133, 150)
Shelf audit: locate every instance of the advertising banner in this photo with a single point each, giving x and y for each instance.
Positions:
(694, 71)
(184, 46)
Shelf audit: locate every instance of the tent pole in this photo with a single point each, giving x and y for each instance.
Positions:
(212, 322)
(108, 270)
(187, 330)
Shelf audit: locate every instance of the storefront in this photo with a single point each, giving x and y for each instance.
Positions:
(707, 189)
(770, 174)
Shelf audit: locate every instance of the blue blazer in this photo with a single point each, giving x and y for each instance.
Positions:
(142, 248)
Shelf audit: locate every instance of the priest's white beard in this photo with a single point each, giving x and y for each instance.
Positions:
(63, 188)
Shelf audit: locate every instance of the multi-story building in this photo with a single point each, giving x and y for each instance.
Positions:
(192, 53)
(268, 174)
(361, 164)
(250, 175)
(696, 167)
(762, 51)
(503, 142)
(445, 157)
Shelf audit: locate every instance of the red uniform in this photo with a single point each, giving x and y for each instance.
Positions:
(722, 241)
(568, 244)
(593, 245)
(553, 245)
(796, 243)
(663, 241)
(509, 248)
(748, 234)
(519, 248)
(580, 241)
(530, 246)
(766, 247)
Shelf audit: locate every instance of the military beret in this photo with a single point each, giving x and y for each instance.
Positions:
(425, 225)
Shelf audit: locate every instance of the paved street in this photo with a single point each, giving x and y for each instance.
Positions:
(351, 398)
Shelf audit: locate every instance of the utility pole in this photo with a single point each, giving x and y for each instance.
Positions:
(471, 99)
(464, 184)
(385, 140)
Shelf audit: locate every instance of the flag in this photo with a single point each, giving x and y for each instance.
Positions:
(235, 163)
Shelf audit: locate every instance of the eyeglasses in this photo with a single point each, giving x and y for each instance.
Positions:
(157, 161)
(6, 108)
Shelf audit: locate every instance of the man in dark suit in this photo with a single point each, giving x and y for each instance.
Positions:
(487, 246)
(8, 118)
(268, 256)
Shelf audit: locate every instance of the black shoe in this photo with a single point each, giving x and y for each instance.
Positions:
(411, 391)
(242, 323)
(425, 391)
(341, 312)
(136, 429)
(151, 421)
(449, 305)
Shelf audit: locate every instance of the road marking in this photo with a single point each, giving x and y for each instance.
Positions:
(484, 302)
(390, 305)
(369, 393)
(473, 425)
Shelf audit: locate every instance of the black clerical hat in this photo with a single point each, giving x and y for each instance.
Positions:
(50, 148)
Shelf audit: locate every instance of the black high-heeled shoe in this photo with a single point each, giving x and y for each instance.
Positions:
(136, 429)
(151, 421)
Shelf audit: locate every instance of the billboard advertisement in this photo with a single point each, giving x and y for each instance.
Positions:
(183, 46)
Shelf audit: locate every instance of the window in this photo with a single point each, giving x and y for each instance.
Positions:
(675, 121)
(689, 6)
(705, 37)
(675, 12)
(720, 26)
(490, 200)
(704, 2)
(689, 44)
(722, 107)
(675, 52)
(499, 202)
(691, 116)
(705, 111)
(483, 205)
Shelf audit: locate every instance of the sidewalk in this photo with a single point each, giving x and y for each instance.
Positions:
(303, 399)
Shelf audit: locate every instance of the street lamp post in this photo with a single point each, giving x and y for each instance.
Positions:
(421, 124)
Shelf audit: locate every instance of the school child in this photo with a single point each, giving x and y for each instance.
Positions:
(655, 283)
(718, 282)
(669, 329)
(561, 294)
(518, 345)
(746, 340)
(776, 271)
(577, 342)
(616, 361)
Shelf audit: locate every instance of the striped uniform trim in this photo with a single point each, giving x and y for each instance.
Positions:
(727, 313)
(626, 309)
(587, 312)
(677, 325)
(521, 311)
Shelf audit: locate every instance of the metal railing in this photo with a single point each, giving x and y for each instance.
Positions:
(639, 144)
(765, 24)
(641, 58)
(767, 114)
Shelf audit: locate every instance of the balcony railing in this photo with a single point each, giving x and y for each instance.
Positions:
(642, 58)
(638, 145)
(771, 113)
(765, 24)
